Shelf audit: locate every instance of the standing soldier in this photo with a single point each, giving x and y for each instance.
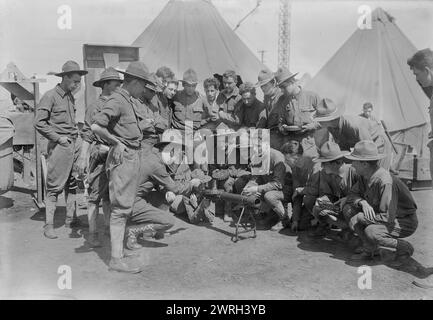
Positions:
(271, 114)
(55, 120)
(118, 124)
(347, 130)
(296, 117)
(421, 64)
(251, 108)
(228, 102)
(97, 177)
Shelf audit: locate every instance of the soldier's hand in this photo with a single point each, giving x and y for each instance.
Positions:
(308, 127)
(118, 152)
(369, 213)
(64, 141)
(250, 190)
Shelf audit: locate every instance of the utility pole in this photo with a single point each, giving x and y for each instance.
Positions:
(262, 56)
(284, 34)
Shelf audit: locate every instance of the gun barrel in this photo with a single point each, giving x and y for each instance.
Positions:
(250, 201)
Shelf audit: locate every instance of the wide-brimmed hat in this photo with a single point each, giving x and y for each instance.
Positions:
(330, 151)
(139, 70)
(190, 77)
(71, 67)
(365, 150)
(107, 75)
(283, 74)
(264, 77)
(156, 86)
(327, 110)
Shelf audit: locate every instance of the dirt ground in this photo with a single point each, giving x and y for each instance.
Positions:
(197, 262)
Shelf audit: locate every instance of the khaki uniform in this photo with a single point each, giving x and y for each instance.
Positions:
(394, 207)
(55, 118)
(230, 105)
(120, 116)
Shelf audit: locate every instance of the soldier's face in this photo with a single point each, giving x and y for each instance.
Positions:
(211, 93)
(189, 88)
(423, 76)
(359, 166)
(267, 88)
(170, 90)
(72, 82)
(332, 167)
(289, 88)
(367, 112)
(248, 98)
(229, 84)
(111, 85)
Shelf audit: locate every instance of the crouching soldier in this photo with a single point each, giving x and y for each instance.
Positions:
(336, 180)
(382, 210)
(269, 185)
(146, 219)
(55, 120)
(96, 150)
(302, 184)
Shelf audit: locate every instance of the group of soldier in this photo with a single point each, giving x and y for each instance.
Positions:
(327, 172)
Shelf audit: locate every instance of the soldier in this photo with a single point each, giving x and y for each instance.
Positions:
(188, 104)
(380, 207)
(296, 115)
(367, 110)
(302, 184)
(118, 124)
(250, 107)
(228, 102)
(271, 115)
(421, 64)
(164, 99)
(55, 120)
(347, 130)
(211, 86)
(336, 180)
(97, 155)
(270, 185)
(145, 218)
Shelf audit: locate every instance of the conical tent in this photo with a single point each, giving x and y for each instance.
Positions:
(371, 66)
(192, 34)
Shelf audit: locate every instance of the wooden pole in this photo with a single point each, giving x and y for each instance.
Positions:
(39, 185)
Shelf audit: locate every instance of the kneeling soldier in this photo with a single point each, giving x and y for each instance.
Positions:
(382, 208)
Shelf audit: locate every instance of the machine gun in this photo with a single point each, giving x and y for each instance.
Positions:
(249, 206)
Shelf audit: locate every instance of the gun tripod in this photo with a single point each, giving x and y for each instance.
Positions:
(246, 221)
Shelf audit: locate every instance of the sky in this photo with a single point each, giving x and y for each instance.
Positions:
(30, 36)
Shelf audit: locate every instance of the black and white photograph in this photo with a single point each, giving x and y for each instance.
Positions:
(236, 152)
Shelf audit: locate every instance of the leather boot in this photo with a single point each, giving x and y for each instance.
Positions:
(403, 253)
(92, 216)
(93, 240)
(49, 231)
(50, 208)
(124, 264)
(71, 220)
(136, 231)
(117, 232)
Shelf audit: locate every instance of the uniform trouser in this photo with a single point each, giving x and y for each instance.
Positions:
(274, 199)
(382, 233)
(97, 177)
(61, 177)
(157, 220)
(123, 183)
(233, 185)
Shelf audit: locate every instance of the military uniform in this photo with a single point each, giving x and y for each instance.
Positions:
(270, 117)
(394, 208)
(188, 108)
(97, 177)
(55, 118)
(298, 110)
(120, 116)
(229, 107)
(250, 115)
(352, 129)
